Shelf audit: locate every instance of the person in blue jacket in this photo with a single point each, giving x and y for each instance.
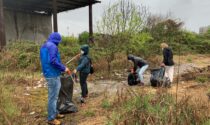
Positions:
(52, 68)
(84, 71)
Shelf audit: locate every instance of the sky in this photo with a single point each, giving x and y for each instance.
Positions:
(193, 13)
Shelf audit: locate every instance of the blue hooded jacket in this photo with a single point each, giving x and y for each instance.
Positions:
(84, 61)
(50, 57)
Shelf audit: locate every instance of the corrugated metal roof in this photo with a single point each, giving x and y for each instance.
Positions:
(45, 6)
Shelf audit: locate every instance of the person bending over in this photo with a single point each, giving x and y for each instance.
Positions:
(140, 66)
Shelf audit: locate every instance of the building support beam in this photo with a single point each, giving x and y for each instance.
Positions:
(90, 21)
(2, 26)
(55, 19)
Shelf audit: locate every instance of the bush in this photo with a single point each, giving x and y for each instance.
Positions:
(84, 37)
(25, 55)
(159, 109)
(202, 79)
(106, 104)
(21, 55)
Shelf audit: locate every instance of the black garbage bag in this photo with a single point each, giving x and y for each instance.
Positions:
(157, 76)
(65, 103)
(132, 79)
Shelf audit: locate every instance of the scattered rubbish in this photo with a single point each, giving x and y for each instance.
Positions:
(32, 113)
(26, 94)
(39, 86)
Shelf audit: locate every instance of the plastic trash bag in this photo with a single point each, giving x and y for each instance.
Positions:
(157, 78)
(65, 103)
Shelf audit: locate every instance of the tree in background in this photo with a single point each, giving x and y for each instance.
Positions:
(164, 29)
(119, 23)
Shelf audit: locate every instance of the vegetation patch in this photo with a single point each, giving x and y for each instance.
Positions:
(158, 109)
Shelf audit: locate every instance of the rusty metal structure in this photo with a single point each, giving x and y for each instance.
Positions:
(43, 7)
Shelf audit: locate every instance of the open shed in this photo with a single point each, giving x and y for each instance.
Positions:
(32, 19)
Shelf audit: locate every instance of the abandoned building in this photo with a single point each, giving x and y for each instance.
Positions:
(34, 20)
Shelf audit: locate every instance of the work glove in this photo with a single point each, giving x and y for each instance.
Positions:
(162, 65)
(75, 71)
(68, 71)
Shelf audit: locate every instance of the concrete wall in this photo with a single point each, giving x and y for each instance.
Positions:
(26, 26)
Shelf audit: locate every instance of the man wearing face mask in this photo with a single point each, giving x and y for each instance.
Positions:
(84, 70)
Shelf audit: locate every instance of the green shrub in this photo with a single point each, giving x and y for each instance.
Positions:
(89, 113)
(84, 37)
(106, 104)
(202, 79)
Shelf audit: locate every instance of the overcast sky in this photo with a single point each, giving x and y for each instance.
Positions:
(194, 13)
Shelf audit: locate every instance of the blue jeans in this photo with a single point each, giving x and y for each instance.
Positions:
(140, 72)
(54, 85)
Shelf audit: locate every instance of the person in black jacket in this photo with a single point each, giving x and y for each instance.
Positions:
(168, 62)
(140, 67)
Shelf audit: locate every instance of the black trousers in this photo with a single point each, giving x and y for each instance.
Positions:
(83, 84)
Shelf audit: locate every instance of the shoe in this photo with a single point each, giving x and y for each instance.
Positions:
(60, 116)
(82, 100)
(54, 122)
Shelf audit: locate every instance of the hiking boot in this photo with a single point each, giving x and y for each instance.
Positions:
(60, 116)
(54, 122)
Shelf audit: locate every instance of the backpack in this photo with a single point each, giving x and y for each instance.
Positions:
(91, 66)
(132, 79)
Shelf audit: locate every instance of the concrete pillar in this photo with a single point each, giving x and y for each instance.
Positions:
(55, 20)
(2, 26)
(90, 21)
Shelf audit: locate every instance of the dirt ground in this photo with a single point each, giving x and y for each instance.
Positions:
(93, 113)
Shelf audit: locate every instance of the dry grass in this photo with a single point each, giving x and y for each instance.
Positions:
(158, 109)
(14, 104)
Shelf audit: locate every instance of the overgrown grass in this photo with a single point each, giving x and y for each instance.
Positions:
(15, 108)
(89, 113)
(202, 79)
(9, 110)
(106, 104)
(158, 109)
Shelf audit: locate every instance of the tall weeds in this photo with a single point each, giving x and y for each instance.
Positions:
(157, 109)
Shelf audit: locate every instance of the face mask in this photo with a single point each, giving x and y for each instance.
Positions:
(82, 52)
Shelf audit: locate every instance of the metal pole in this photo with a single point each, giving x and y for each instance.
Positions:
(55, 21)
(90, 21)
(2, 27)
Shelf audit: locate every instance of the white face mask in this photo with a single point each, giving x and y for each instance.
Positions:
(82, 52)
